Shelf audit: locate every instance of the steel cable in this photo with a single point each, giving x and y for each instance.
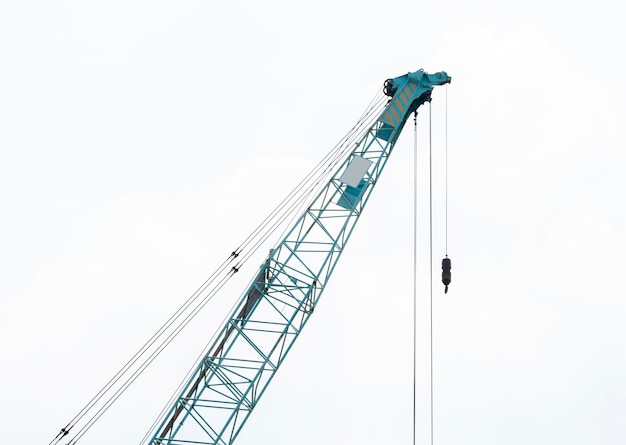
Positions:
(260, 234)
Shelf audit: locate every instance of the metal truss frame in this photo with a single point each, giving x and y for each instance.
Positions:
(231, 378)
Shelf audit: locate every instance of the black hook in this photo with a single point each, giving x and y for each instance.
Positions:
(446, 275)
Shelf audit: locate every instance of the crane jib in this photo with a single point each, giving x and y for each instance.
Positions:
(228, 382)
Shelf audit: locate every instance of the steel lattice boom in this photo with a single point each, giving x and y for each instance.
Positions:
(232, 377)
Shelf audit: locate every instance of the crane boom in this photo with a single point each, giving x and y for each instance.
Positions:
(230, 379)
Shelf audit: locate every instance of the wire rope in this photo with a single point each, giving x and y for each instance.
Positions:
(322, 179)
(188, 375)
(295, 208)
(107, 387)
(430, 226)
(288, 206)
(414, 277)
(133, 360)
(104, 408)
(446, 142)
(326, 164)
(355, 134)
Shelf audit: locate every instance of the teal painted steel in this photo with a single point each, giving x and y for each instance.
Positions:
(228, 383)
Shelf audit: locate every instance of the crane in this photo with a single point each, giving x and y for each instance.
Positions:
(219, 394)
(230, 379)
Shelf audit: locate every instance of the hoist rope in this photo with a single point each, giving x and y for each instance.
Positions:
(430, 229)
(446, 142)
(286, 210)
(430, 226)
(414, 277)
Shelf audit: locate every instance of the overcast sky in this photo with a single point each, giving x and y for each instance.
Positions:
(141, 141)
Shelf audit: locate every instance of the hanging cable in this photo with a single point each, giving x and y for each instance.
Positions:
(318, 184)
(430, 225)
(116, 378)
(133, 360)
(288, 208)
(358, 132)
(446, 139)
(124, 386)
(446, 263)
(127, 367)
(202, 354)
(414, 276)
(326, 166)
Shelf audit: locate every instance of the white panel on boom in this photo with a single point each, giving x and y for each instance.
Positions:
(355, 171)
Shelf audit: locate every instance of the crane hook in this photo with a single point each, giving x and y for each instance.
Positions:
(446, 275)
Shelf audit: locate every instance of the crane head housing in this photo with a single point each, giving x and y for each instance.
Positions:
(407, 93)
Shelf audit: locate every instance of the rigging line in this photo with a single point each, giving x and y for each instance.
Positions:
(152, 430)
(340, 149)
(330, 169)
(375, 103)
(193, 298)
(340, 156)
(430, 225)
(118, 393)
(414, 276)
(293, 195)
(265, 236)
(158, 350)
(299, 201)
(148, 344)
(446, 139)
(333, 155)
(316, 190)
(296, 208)
(299, 208)
(107, 387)
(292, 212)
(145, 364)
(242, 261)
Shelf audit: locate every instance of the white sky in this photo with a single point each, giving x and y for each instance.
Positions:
(141, 141)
